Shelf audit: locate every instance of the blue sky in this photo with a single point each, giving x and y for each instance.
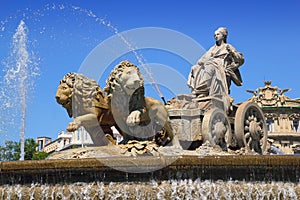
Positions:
(63, 33)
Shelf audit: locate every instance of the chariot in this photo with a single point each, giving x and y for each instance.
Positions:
(212, 119)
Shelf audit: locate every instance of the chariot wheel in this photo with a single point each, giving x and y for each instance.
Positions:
(216, 128)
(250, 127)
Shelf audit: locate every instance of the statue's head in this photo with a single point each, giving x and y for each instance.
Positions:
(222, 31)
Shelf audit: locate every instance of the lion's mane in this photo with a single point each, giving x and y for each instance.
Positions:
(113, 85)
(85, 92)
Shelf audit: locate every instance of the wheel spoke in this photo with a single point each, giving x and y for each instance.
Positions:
(250, 127)
(247, 136)
(247, 128)
(247, 122)
(216, 128)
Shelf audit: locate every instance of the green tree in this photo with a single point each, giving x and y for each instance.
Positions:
(11, 150)
(5, 153)
(30, 148)
(41, 155)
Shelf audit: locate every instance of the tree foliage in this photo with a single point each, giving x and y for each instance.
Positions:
(11, 151)
(41, 155)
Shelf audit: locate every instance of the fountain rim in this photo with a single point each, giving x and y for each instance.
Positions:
(122, 161)
(251, 168)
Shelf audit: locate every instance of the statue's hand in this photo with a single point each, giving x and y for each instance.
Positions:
(134, 118)
(226, 70)
(231, 52)
(229, 49)
(73, 126)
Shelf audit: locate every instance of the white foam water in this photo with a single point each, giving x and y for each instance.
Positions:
(172, 189)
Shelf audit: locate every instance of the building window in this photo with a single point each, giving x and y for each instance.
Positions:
(40, 144)
(296, 125)
(270, 125)
(78, 135)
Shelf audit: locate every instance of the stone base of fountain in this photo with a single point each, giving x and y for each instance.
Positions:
(147, 168)
(153, 177)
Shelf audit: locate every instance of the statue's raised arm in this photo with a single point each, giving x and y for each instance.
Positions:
(214, 71)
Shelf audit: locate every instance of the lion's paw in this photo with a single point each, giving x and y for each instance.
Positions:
(73, 126)
(134, 118)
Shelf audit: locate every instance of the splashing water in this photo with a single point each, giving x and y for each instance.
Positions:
(172, 189)
(64, 7)
(138, 56)
(20, 69)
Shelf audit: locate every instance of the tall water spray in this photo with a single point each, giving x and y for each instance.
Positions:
(75, 9)
(19, 71)
(20, 66)
(133, 49)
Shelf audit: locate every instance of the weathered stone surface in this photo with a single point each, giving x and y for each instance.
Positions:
(248, 168)
(138, 117)
(85, 101)
(272, 96)
(121, 104)
(213, 73)
(282, 115)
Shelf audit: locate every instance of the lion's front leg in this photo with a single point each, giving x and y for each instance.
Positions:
(74, 125)
(82, 120)
(134, 118)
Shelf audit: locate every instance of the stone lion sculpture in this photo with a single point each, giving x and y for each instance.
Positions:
(138, 117)
(86, 102)
(135, 116)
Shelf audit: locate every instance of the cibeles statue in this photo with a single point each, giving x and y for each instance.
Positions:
(216, 69)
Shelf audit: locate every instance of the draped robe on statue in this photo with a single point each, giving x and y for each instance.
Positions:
(213, 73)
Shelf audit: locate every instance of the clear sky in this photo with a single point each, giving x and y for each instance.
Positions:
(61, 35)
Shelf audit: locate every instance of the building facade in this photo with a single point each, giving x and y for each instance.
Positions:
(51, 147)
(282, 116)
(65, 140)
(42, 142)
(79, 138)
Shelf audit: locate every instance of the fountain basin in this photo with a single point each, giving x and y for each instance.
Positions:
(243, 168)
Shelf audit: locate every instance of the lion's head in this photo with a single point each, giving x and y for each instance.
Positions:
(77, 92)
(124, 78)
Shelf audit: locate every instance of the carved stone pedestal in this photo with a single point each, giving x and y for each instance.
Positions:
(186, 123)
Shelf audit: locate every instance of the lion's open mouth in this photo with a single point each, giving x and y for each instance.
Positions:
(66, 103)
(130, 89)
